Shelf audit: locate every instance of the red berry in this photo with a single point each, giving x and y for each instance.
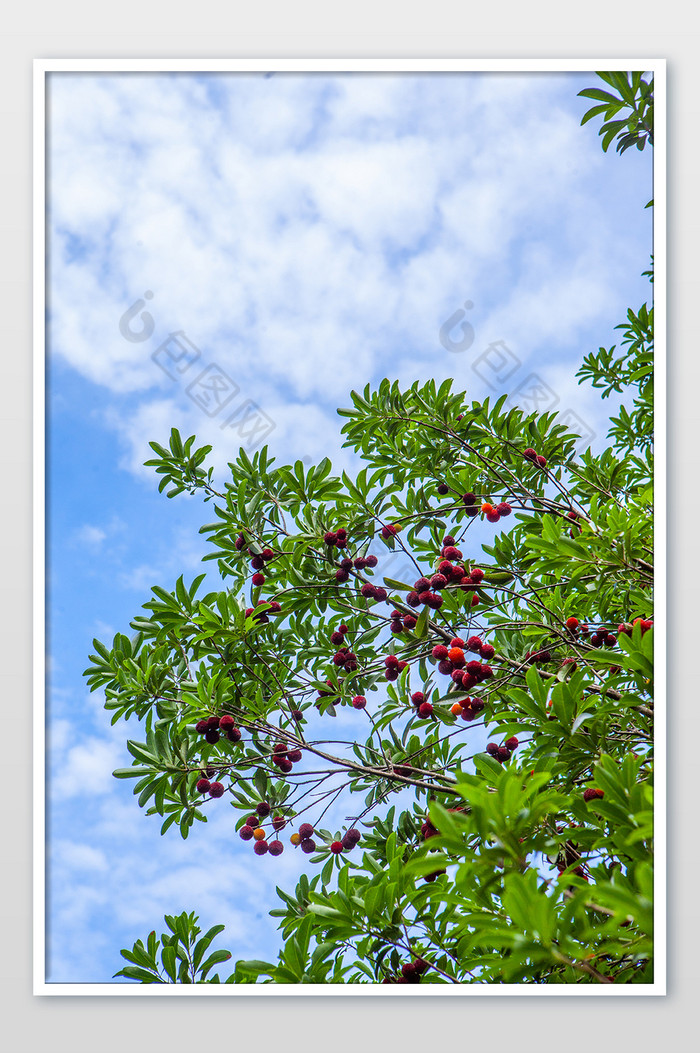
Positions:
(294, 756)
(285, 765)
(341, 575)
(448, 540)
(417, 698)
(440, 651)
(341, 535)
(492, 748)
(260, 848)
(245, 833)
(359, 702)
(305, 831)
(476, 575)
(504, 509)
(279, 822)
(592, 794)
(445, 667)
(434, 601)
(257, 563)
(371, 561)
(239, 543)
(542, 461)
(252, 822)
(443, 488)
(438, 581)
(487, 651)
(337, 847)
(267, 553)
(226, 722)
(203, 786)
(258, 579)
(502, 754)
(307, 845)
(511, 743)
(353, 835)
(422, 585)
(571, 515)
(469, 498)
(263, 809)
(213, 723)
(409, 622)
(216, 789)
(413, 599)
(201, 726)
(450, 552)
(425, 710)
(276, 848)
(329, 537)
(212, 736)
(571, 623)
(390, 530)
(530, 454)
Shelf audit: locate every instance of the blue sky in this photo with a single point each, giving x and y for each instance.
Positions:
(307, 234)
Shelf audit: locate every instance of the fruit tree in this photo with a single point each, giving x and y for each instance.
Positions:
(495, 785)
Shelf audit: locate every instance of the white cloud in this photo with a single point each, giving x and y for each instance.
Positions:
(308, 233)
(85, 769)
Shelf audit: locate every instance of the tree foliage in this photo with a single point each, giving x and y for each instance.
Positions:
(528, 861)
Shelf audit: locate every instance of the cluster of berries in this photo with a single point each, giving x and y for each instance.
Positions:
(593, 794)
(257, 563)
(373, 592)
(346, 565)
(337, 538)
(284, 758)
(495, 512)
(533, 657)
(214, 789)
(423, 707)
(452, 661)
(347, 841)
(535, 457)
(470, 504)
(252, 830)
(304, 839)
(262, 616)
(401, 623)
(626, 628)
(213, 727)
(468, 708)
(602, 638)
(411, 972)
(393, 667)
(345, 659)
(502, 753)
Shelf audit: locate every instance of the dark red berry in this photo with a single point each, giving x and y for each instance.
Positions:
(469, 498)
(257, 563)
(592, 794)
(341, 535)
(213, 722)
(542, 461)
(359, 702)
(337, 847)
(445, 667)
(443, 488)
(450, 552)
(502, 754)
(504, 509)
(276, 848)
(492, 748)
(216, 789)
(413, 599)
(203, 786)
(201, 726)
(226, 722)
(440, 651)
(341, 575)
(294, 756)
(530, 454)
(438, 581)
(305, 831)
(245, 833)
(263, 809)
(212, 736)
(409, 622)
(239, 543)
(285, 766)
(258, 579)
(260, 848)
(371, 561)
(425, 710)
(476, 575)
(330, 537)
(307, 845)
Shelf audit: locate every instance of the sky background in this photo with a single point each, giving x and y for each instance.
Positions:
(302, 235)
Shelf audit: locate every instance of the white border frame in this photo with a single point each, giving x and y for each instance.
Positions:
(355, 65)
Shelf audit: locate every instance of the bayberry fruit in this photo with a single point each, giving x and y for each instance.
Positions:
(337, 847)
(260, 848)
(203, 786)
(276, 848)
(245, 833)
(216, 789)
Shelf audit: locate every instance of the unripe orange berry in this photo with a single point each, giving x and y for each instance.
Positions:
(295, 839)
(455, 655)
(456, 709)
(259, 834)
(487, 508)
